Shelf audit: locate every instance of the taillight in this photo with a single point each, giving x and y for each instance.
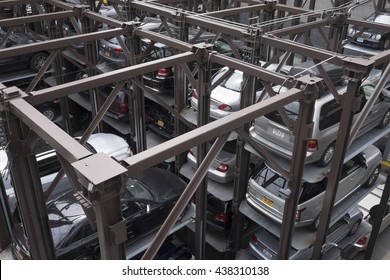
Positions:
(255, 240)
(118, 50)
(192, 152)
(362, 240)
(165, 72)
(194, 94)
(312, 145)
(221, 218)
(223, 167)
(224, 107)
(123, 107)
(298, 215)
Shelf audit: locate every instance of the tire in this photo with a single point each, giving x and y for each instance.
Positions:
(327, 156)
(386, 44)
(49, 112)
(372, 178)
(354, 228)
(37, 61)
(385, 120)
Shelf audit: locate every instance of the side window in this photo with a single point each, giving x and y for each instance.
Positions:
(310, 190)
(367, 91)
(330, 114)
(350, 166)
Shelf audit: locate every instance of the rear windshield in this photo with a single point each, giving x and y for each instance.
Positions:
(292, 110)
(275, 184)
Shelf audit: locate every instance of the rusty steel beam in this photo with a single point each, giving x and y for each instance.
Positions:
(35, 18)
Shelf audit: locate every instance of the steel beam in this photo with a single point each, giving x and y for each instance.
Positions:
(181, 143)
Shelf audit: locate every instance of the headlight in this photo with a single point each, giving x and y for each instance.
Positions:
(351, 32)
(377, 37)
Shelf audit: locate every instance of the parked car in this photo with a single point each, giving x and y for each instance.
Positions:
(33, 60)
(369, 205)
(119, 108)
(159, 120)
(226, 97)
(271, 132)
(223, 167)
(371, 38)
(264, 244)
(147, 199)
(268, 190)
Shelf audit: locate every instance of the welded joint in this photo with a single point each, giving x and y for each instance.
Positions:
(10, 93)
(119, 232)
(202, 51)
(130, 26)
(312, 86)
(80, 10)
(357, 68)
(270, 5)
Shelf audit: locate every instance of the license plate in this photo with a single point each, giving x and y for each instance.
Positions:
(107, 53)
(160, 123)
(268, 254)
(360, 40)
(267, 201)
(278, 132)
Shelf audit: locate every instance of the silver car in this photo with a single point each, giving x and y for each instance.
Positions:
(226, 97)
(223, 166)
(267, 190)
(271, 132)
(264, 244)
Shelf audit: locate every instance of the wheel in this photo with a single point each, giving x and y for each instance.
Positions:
(354, 228)
(372, 178)
(327, 156)
(314, 226)
(386, 44)
(37, 61)
(49, 112)
(385, 120)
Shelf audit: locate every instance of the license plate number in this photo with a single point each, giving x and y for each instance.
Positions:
(278, 132)
(107, 53)
(360, 40)
(160, 123)
(268, 201)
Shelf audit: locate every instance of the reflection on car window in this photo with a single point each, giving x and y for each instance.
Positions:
(330, 114)
(135, 190)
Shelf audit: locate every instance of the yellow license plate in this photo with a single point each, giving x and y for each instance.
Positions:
(160, 123)
(107, 53)
(267, 201)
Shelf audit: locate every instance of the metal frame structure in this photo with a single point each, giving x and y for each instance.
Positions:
(97, 179)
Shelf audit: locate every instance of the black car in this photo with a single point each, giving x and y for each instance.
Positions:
(34, 61)
(159, 120)
(371, 38)
(147, 199)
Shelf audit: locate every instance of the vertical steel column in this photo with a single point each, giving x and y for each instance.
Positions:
(302, 129)
(202, 88)
(5, 218)
(180, 92)
(241, 173)
(350, 104)
(28, 189)
(137, 100)
(110, 224)
(91, 54)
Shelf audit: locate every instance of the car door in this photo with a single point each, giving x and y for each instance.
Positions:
(351, 176)
(377, 111)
